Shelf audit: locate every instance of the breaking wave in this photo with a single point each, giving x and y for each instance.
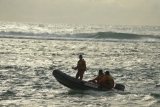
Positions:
(80, 32)
(114, 36)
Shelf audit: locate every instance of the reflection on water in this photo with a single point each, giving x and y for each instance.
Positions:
(26, 73)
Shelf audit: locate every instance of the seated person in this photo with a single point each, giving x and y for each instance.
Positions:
(96, 80)
(106, 81)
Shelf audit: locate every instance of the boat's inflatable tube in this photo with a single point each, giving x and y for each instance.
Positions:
(77, 84)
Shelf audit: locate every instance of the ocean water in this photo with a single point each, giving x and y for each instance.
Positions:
(30, 52)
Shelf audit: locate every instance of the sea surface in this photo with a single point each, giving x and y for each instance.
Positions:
(30, 52)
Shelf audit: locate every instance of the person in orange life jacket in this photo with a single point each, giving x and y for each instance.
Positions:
(98, 78)
(106, 81)
(81, 67)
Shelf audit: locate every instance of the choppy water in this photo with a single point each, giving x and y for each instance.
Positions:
(26, 67)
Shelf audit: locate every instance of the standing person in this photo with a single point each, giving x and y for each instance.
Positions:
(81, 67)
(107, 81)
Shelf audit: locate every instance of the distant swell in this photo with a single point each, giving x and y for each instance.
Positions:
(113, 35)
(14, 33)
(79, 36)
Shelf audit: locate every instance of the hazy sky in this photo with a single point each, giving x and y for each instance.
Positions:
(128, 12)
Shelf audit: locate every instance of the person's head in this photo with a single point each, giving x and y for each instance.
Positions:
(100, 72)
(80, 56)
(107, 73)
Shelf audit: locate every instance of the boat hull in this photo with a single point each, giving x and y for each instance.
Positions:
(77, 84)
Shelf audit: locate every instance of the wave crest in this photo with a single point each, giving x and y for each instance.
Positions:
(79, 36)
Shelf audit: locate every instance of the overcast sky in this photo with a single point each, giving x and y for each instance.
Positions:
(126, 12)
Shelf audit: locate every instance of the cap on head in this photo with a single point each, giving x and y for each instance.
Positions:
(100, 72)
(80, 56)
(107, 73)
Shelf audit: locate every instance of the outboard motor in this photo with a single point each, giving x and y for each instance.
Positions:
(119, 87)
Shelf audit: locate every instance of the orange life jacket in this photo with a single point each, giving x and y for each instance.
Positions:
(81, 65)
(98, 78)
(107, 82)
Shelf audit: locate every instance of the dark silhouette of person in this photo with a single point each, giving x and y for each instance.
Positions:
(81, 67)
(107, 81)
(98, 78)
